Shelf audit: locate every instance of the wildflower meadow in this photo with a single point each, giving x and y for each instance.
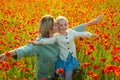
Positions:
(99, 57)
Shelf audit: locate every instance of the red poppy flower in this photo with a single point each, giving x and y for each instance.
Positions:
(117, 71)
(91, 47)
(118, 59)
(1, 48)
(2, 32)
(43, 79)
(24, 78)
(84, 65)
(0, 67)
(92, 58)
(103, 71)
(95, 66)
(14, 63)
(90, 73)
(103, 59)
(7, 54)
(95, 76)
(27, 69)
(60, 71)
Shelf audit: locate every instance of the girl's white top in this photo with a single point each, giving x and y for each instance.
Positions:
(66, 43)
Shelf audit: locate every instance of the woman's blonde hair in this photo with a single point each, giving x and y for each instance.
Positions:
(46, 24)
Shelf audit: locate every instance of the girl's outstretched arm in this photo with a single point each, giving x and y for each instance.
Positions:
(82, 27)
(94, 21)
(83, 34)
(86, 35)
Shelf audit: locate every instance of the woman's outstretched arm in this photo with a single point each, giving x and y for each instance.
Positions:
(9, 53)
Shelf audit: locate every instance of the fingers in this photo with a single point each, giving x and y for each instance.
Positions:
(95, 35)
(2, 57)
(30, 41)
(99, 18)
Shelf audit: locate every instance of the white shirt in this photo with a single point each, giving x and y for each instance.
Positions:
(66, 43)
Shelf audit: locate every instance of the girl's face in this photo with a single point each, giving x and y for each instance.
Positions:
(62, 26)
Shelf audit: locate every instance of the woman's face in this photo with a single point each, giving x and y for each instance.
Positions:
(55, 27)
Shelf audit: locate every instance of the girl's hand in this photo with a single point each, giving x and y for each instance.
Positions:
(98, 19)
(94, 21)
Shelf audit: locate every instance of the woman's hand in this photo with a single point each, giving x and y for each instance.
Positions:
(2, 57)
(34, 42)
(95, 35)
(29, 41)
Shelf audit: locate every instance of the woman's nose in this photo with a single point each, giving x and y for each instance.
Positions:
(60, 27)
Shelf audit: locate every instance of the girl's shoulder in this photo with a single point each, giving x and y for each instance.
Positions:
(70, 30)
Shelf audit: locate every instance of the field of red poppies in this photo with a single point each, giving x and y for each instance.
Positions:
(99, 57)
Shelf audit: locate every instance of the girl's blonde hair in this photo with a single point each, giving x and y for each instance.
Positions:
(59, 18)
(46, 24)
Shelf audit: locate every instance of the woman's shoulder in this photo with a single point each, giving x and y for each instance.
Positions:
(39, 38)
(56, 35)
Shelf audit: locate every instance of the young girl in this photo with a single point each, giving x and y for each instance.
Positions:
(65, 39)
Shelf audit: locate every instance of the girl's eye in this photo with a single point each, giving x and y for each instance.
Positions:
(65, 24)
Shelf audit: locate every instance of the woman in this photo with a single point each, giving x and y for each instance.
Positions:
(47, 55)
